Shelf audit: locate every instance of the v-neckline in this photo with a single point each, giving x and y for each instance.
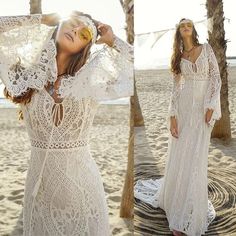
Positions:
(88, 61)
(51, 98)
(197, 57)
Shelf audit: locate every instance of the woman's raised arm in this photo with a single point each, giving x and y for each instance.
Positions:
(11, 22)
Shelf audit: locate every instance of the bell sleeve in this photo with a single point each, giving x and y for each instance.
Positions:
(8, 23)
(212, 99)
(173, 103)
(174, 99)
(107, 75)
(22, 63)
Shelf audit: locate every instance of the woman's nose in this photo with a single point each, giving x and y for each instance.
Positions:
(76, 31)
(73, 30)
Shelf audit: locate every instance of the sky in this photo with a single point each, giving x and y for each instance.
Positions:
(107, 11)
(155, 15)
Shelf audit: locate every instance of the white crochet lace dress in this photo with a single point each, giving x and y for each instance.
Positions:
(64, 193)
(182, 193)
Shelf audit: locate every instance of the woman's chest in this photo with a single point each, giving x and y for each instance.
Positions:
(44, 113)
(199, 68)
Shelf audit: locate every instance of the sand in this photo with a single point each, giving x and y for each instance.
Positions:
(154, 87)
(109, 140)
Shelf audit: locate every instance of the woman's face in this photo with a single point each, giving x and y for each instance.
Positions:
(186, 29)
(73, 35)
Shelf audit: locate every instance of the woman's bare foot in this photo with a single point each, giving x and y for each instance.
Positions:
(177, 233)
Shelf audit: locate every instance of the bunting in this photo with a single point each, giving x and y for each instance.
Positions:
(151, 38)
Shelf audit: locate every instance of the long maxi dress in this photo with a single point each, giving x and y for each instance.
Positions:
(64, 193)
(183, 191)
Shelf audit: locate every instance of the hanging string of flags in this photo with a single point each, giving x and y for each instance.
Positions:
(151, 38)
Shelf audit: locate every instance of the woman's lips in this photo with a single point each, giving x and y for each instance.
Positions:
(68, 35)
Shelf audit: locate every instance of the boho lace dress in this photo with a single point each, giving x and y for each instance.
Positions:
(182, 193)
(64, 193)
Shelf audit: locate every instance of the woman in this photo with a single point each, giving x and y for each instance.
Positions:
(50, 73)
(194, 107)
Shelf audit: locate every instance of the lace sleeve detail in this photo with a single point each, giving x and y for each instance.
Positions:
(23, 63)
(107, 75)
(123, 48)
(212, 99)
(11, 22)
(19, 78)
(173, 104)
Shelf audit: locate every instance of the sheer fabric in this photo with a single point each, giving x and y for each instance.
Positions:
(182, 192)
(64, 193)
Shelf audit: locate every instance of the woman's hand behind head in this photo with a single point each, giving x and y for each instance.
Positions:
(106, 34)
(50, 19)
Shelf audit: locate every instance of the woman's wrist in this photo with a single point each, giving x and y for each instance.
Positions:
(210, 109)
(111, 43)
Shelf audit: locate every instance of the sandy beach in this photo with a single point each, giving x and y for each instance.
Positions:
(109, 141)
(154, 87)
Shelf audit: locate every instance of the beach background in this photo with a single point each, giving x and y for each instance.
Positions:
(151, 142)
(109, 136)
(155, 23)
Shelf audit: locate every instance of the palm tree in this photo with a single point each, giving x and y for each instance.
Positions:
(128, 7)
(35, 6)
(126, 209)
(217, 40)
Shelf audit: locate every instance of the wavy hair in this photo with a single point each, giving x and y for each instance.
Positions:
(76, 62)
(178, 48)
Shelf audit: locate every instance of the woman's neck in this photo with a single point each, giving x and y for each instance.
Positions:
(63, 60)
(188, 44)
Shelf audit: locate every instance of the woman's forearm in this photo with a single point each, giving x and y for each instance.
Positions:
(123, 48)
(50, 19)
(11, 22)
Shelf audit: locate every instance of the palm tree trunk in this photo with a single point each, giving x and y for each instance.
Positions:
(127, 205)
(128, 7)
(35, 7)
(127, 199)
(217, 40)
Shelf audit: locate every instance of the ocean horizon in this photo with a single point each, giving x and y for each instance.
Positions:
(5, 103)
(163, 64)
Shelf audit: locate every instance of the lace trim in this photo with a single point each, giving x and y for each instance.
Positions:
(207, 69)
(149, 191)
(28, 60)
(212, 100)
(57, 145)
(107, 75)
(27, 54)
(123, 48)
(11, 22)
(20, 79)
(176, 88)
